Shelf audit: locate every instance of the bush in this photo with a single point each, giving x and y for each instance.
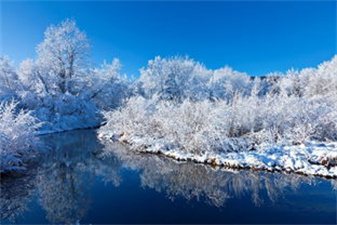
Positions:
(17, 138)
(240, 124)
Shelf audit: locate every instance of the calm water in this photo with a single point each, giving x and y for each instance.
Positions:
(77, 181)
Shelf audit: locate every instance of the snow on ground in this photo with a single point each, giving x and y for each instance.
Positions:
(311, 158)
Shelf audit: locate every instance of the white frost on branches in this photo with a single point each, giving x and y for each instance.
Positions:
(17, 139)
(234, 120)
(177, 106)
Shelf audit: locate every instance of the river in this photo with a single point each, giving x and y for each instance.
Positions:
(79, 180)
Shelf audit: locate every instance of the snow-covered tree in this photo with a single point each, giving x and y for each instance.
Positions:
(63, 53)
(323, 80)
(31, 76)
(177, 103)
(61, 88)
(106, 86)
(241, 113)
(9, 83)
(225, 82)
(17, 136)
(174, 78)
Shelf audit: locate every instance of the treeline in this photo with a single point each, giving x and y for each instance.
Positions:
(183, 106)
(176, 102)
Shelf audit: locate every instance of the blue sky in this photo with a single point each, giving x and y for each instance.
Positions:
(255, 37)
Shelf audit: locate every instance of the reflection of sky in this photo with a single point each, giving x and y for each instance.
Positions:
(255, 37)
(76, 181)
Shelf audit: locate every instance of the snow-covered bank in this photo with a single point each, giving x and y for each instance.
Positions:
(312, 158)
(284, 123)
(214, 185)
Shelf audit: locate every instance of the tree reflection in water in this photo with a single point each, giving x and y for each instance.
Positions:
(62, 178)
(16, 192)
(214, 185)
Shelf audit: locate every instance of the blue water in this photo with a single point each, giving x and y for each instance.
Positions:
(79, 180)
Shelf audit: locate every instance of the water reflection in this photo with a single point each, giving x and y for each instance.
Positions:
(16, 192)
(62, 179)
(202, 182)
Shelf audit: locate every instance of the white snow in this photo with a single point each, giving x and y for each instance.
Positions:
(17, 139)
(177, 107)
(285, 122)
(303, 159)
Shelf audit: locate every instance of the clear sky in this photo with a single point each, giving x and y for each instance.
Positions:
(255, 37)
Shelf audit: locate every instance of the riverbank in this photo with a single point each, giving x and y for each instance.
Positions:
(75, 182)
(312, 158)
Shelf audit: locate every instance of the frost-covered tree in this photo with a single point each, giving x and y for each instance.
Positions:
(17, 138)
(225, 82)
(8, 77)
(58, 110)
(9, 83)
(106, 86)
(323, 80)
(63, 53)
(174, 78)
(60, 86)
(31, 76)
(242, 114)
(178, 78)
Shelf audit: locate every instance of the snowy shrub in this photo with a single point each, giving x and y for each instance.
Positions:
(174, 78)
(17, 138)
(237, 113)
(192, 127)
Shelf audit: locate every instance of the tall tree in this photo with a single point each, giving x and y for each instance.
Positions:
(64, 51)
